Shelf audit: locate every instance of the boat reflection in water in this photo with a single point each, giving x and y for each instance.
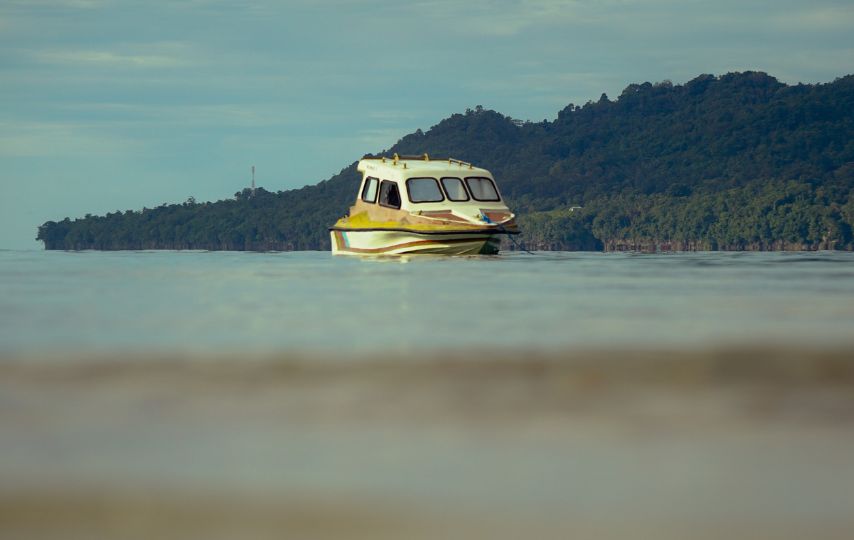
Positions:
(417, 204)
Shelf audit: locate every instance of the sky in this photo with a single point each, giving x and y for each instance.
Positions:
(114, 105)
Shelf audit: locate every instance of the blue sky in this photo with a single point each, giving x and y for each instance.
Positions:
(115, 105)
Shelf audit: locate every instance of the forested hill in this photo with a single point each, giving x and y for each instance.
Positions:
(739, 161)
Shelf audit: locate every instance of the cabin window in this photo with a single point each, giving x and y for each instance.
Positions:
(369, 192)
(389, 194)
(482, 189)
(455, 189)
(424, 190)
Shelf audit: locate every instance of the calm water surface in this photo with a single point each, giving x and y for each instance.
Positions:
(264, 302)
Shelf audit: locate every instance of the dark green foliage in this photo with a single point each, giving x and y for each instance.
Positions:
(740, 161)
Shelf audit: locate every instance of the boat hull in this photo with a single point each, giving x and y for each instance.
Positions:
(395, 242)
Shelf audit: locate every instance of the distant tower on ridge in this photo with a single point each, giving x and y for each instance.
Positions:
(253, 180)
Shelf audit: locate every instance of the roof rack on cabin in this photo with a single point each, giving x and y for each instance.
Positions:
(461, 163)
(423, 157)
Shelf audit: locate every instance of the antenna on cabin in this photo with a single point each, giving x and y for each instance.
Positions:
(253, 180)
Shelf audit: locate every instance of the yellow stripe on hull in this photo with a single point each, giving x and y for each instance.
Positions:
(401, 243)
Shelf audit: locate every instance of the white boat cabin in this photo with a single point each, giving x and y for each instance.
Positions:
(414, 184)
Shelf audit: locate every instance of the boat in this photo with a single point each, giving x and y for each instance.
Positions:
(415, 204)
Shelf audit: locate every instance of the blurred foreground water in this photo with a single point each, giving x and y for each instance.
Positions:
(296, 395)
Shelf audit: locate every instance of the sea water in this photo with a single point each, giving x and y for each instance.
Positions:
(105, 433)
(202, 302)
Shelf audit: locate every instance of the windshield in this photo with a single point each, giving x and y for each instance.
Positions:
(482, 189)
(424, 190)
(455, 189)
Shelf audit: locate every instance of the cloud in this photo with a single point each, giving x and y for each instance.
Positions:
(149, 55)
(58, 139)
(130, 115)
(73, 4)
(512, 18)
(508, 18)
(493, 18)
(816, 18)
(106, 58)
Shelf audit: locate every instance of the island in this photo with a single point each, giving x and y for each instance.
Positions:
(739, 161)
